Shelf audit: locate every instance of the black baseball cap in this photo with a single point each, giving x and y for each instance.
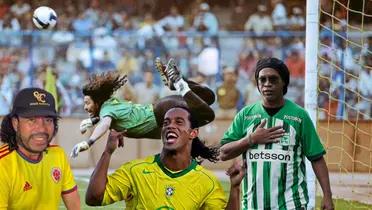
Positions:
(32, 102)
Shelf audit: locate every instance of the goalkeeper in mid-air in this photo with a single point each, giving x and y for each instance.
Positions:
(139, 120)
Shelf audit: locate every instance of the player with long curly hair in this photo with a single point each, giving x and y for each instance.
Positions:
(144, 120)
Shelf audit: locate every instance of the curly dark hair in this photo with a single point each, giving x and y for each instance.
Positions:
(9, 136)
(101, 86)
(200, 151)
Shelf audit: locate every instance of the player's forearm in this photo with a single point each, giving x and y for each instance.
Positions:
(234, 149)
(72, 200)
(234, 198)
(321, 172)
(100, 129)
(97, 182)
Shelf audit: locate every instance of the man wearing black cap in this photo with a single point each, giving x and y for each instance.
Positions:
(34, 174)
(172, 179)
(274, 136)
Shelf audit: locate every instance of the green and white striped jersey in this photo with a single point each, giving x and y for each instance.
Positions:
(276, 176)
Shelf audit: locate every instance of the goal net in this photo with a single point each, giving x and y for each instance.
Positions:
(343, 75)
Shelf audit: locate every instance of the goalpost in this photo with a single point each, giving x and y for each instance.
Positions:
(310, 100)
(338, 94)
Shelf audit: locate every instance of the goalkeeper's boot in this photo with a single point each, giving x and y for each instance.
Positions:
(161, 69)
(172, 72)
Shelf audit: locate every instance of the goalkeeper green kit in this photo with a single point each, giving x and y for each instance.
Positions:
(136, 119)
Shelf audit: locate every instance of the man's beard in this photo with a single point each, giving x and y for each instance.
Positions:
(20, 142)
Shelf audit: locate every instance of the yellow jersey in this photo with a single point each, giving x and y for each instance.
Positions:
(27, 184)
(148, 184)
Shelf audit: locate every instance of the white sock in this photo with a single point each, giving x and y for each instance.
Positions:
(182, 87)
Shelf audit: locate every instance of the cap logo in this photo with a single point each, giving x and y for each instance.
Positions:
(40, 97)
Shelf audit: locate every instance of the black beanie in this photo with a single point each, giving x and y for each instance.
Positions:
(276, 64)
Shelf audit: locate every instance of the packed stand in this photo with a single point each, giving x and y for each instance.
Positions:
(204, 38)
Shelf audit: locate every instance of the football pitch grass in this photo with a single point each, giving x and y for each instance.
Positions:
(82, 182)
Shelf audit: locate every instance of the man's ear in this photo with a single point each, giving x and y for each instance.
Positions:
(194, 133)
(14, 123)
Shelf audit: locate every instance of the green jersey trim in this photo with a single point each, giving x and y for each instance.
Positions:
(178, 174)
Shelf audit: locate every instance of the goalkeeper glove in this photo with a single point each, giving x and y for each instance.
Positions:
(80, 147)
(87, 123)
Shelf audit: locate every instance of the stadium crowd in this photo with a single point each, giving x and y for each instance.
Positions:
(216, 43)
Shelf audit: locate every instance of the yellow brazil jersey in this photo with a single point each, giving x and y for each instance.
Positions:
(27, 184)
(147, 184)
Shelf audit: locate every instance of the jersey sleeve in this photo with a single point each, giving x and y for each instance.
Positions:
(118, 186)
(68, 184)
(235, 131)
(312, 147)
(216, 199)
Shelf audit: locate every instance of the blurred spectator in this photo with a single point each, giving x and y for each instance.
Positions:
(367, 48)
(9, 28)
(92, 12)
(279, 15)
(20, 8)
(327, 47)
(259, 22)
(6, 93)
(296, 21)
(122, 21)
(9, 23)
(200, 79)
(325, 66)
(208, 62)
(128, 64)
(62, 37)
(104, 42)
(173, 22)
(78, 51)
(351, 86)
(365, 88)
(149, 36)
(344, 56)
(251, 93)
(269, 47)
(247, 63)
(206, 21)
(337, 90)
(23, 61)
(64, 102)
(109, 28)
(298, 44)
(239, 15)
(147, 92)
(229, 98)
(105, 63)
(83, 25)
(4, 8)
(126, 92)
(296, 64)
(106, 16)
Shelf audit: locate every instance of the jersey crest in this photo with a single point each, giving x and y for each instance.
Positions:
(169, 191)
(56, 174)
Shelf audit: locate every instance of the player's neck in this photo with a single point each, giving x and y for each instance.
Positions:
(175, 161)
(29, 155)
(274, 103)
